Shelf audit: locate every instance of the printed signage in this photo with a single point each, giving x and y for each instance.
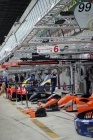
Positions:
(48, 49)
(84, 14)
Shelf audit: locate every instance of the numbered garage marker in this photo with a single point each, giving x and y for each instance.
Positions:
(84, 7)
(56, 49)
(84, 15)
(48, 49)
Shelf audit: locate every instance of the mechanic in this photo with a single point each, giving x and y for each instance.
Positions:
(16, 78)
(91, 79)
(53, 82)
(5, 78)
(21, 78)
(47, 77)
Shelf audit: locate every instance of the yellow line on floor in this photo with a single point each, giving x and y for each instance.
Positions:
(21, 110)
(11, 102)
(48, 131)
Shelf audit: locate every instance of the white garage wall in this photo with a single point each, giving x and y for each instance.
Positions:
(64, 77)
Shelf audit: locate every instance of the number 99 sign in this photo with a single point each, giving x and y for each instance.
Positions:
(83, 13)
(84, 6)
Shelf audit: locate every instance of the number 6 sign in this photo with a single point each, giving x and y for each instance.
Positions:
(56, 49)
(83, 13)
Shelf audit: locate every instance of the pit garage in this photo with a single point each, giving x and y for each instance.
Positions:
(46, 69)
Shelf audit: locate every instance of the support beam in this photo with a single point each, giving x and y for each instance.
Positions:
(57, 27)
(58, 42)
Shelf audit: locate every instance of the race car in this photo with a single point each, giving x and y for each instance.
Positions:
(69, 102)
(11, 92)
(51, 103)
(16, 91)
(38, 96)
(55, 101)
(84, 121)
(78, 102)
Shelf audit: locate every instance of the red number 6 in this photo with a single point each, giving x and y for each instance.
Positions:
(56, 49)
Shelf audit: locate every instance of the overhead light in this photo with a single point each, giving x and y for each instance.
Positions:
(66, 13)
(66, 47)
(24, 58)
(60, 21)
(45, 41)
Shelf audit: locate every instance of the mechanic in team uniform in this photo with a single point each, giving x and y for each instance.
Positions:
(53, 82)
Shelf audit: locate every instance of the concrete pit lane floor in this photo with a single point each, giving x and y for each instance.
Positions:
(15, 125)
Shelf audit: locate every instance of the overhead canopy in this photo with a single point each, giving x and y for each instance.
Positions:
(10, 12)
(51, 24)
